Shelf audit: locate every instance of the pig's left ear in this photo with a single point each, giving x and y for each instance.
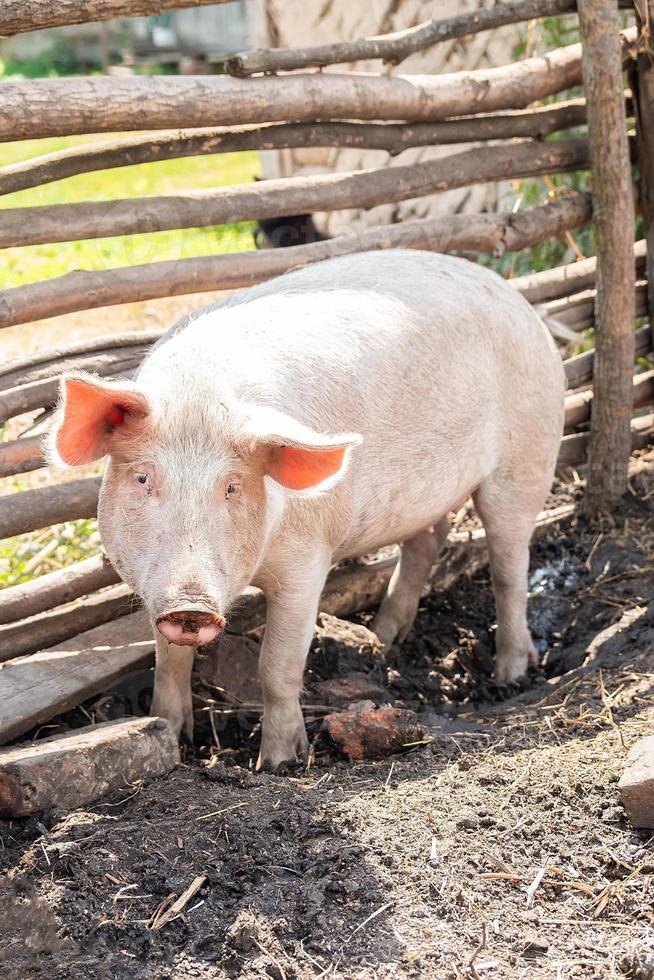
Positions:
(92, 414)
(297, 457)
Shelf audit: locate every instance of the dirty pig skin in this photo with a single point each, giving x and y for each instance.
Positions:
(316, 417)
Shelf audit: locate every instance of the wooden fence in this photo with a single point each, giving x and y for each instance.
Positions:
(184, 116)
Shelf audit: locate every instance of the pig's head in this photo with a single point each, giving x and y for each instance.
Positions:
(190, 498)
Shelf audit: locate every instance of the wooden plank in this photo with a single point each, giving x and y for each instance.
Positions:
(59, 624)
(36, 688)
(72, 770)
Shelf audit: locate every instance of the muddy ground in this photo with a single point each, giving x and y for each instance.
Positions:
(496, 847)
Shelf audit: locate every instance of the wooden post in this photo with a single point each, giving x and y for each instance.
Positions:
(613, 210)
(642, 80)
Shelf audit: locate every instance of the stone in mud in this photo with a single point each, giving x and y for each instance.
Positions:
(366, 732)
(636, 785)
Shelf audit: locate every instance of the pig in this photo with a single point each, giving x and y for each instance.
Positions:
(341, 407)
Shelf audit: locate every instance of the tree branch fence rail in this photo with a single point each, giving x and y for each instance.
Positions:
(498, 109)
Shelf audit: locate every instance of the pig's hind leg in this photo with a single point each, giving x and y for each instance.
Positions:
(400, 604)
(508, 508)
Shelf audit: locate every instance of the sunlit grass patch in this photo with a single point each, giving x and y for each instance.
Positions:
(30, 555)
(36, 262)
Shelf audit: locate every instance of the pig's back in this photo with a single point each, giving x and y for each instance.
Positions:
(382, 325)
(427, 355)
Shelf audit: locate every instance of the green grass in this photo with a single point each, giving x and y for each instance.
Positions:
(30, 555)
(36, 262)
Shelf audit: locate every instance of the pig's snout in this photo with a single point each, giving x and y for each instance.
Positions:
(190, 627)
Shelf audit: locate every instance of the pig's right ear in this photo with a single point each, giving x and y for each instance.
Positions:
(91, 413)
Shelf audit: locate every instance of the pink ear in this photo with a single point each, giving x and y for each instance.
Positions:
(90, 414)
(301, 468)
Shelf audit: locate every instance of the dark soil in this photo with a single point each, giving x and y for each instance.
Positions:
(496, 847)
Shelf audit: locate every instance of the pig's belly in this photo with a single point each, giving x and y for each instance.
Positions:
(371, 530)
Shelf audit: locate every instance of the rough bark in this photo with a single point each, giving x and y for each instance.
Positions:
(21, 456)
(494, 233)
(20, 16)
(72, 770)
(56, 625)
(642, 83)
(534, 123)
(56, 588)
(71, 106)
(610, 442)
(33, 509)
(394, 48)
(287, 195)
(37, 688)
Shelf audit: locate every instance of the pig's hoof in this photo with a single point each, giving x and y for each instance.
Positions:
(180, 719)
(277, 750)
(509, 669)
(389, 628)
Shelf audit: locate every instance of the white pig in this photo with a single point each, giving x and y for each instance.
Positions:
(341, 407)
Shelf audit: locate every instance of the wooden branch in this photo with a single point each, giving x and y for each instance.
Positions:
(642, 82)
(32, 509)
(536, 123)
(287, 195)
(57, 625)
(394, 48)
(579, 369)
(494, 233)
(20, 16)
(578, 406)
(35, 689)
(610, 442)
(541, 287)
(50, 362)
(71, 106)
(71, 770)
(37, 394)
(21, 456)
(578, 310)
(56, 588)
(574, 448)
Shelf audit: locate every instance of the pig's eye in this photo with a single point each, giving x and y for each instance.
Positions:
(233, 490)
(142, 479)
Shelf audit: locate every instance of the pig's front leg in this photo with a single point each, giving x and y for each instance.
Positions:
(290, 621)
(172, 686)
